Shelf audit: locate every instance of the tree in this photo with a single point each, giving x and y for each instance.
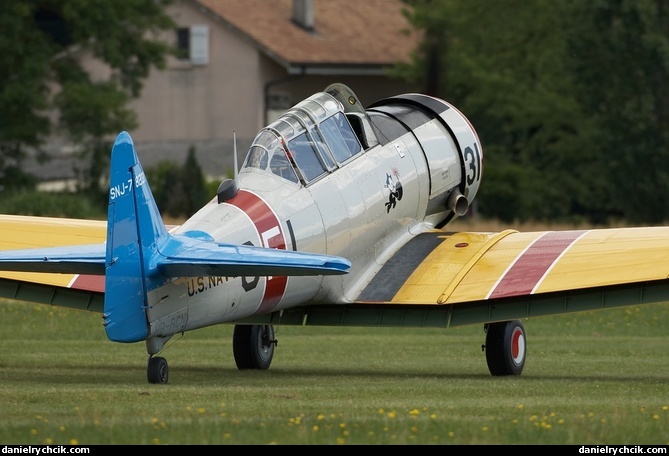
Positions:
(619, 56)
(43, 85)
(567, 97)
(180, 191)
(501, 64)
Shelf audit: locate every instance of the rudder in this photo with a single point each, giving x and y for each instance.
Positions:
(134, 228)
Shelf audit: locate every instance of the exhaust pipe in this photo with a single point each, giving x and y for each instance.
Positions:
(457, 203)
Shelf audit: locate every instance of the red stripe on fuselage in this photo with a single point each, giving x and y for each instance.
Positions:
(530, 266)
(271, 235)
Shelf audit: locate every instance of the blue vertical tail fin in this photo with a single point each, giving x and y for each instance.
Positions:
(134, 228)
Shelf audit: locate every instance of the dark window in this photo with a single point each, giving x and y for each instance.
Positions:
(183, 43)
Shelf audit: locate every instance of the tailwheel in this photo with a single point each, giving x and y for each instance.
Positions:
(505, 347)
(253, 346)
(157, 371)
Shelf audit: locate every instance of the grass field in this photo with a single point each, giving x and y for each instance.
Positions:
(595, 378)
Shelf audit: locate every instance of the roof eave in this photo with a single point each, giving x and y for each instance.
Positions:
(326, 69)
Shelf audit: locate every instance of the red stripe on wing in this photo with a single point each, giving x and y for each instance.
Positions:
(529, 268)
(89, 283)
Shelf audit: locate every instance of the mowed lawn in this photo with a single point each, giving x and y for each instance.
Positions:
(595, 378)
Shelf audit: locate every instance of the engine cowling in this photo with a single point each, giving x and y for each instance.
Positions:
(449, 142)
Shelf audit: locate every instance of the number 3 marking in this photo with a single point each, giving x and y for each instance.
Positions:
(473, 157)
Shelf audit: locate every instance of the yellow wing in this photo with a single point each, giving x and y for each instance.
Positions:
(68, 290)
(443, 279)
(465, 267)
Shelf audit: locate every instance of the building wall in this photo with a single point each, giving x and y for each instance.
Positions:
(206, 106)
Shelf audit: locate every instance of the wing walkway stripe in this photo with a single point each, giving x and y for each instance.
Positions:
(388, 281)
(531, 266)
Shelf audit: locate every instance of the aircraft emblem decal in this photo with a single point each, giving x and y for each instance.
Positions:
(271, 235)
(530, 267)
(395, 189)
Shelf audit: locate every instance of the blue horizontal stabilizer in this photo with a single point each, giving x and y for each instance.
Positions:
(183, 256)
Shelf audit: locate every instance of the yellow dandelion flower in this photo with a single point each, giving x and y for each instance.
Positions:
(342, 425)
(381, 411)
(521, 406)
(433, 416)
(392, 414)
(62, 428)
(48, 441)
(414, 429)
(154, 420)
(665, 407)
(656, 417)
(451, 434)
(314, 428)
(341, 441)
(320, 417)
(346, 433)
(155, 441)
(560, 421)
(74, 442)
(484, 428)
(34, 431)
(227, 435)
(414, 412)
(201, 410)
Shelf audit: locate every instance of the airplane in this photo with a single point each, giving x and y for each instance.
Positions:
(338, 216)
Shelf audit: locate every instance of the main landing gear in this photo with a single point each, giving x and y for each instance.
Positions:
(252, 346)
(505, 347)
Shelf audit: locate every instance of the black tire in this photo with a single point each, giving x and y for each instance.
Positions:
(505, 347)
(157, 370)
(253, 346)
